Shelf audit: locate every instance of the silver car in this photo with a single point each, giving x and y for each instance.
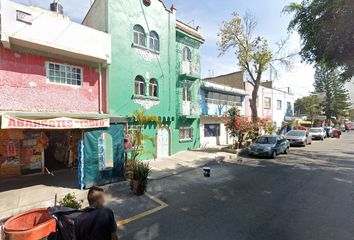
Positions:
(298, 138)
(318, 133)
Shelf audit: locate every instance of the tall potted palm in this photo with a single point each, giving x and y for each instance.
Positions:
(137, 171)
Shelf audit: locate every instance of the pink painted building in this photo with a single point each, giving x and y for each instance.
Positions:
(33, 83)
(264, 101)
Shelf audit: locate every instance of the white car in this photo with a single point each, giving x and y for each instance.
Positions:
(318, 133)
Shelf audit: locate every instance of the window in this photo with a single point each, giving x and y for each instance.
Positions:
(186, 94)
(223, 99)
(139, 36)
(279, 105)
(105, 151)
(185, 134)
(187, 54)
(139, 86)
(64, 74)
(153, 88)
(267, 103)
(154, 41)
(211, 130)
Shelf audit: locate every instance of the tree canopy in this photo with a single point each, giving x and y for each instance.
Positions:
(253, 53)
(327, 32)
(336, 97)
(309, 106)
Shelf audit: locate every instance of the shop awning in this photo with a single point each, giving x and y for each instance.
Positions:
(29, 120)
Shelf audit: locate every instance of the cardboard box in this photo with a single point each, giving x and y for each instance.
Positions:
(26, 152)
(8, 171)
(36, 158)
(11, 134)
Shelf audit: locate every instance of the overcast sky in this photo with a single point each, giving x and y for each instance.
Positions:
(209, 14)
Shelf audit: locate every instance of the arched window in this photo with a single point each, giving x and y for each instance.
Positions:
(139, 35)
(139, 86)
(187, 54)
(153, 88)
(154, 41)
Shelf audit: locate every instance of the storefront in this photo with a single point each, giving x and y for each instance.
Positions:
(35, 144)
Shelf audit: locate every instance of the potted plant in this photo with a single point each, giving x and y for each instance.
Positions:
(140, 173)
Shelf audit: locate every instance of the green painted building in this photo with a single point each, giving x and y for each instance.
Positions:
(155, 67)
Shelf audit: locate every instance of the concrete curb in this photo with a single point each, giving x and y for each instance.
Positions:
(186, 167)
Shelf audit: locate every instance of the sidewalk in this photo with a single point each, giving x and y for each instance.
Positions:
(187, 160)
(19, 195)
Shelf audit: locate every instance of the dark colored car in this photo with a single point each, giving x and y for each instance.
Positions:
(269, 146)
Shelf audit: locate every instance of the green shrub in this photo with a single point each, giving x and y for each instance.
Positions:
(70, 201)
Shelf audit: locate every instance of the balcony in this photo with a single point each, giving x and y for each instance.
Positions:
(190, 109)
(190, 71)
(45, 31)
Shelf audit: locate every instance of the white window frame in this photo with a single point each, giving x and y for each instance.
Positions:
(65, 66)
(266, 106)
(184, 138)
(142, 85)
(279, 104)
(153, 86)
(154, 41)
(141, 36)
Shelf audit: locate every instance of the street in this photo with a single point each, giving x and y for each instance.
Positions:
(306, 195)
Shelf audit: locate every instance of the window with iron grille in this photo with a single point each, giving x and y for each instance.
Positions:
(64, 74)
(153, 88)
(154, 41)
(139, 35)
(186, 134)
(211, 130)
(139, 86)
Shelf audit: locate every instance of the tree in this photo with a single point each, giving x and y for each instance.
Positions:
(138, 138)
(336, 97)
(309, 106)
(327, 33)
(253, 53)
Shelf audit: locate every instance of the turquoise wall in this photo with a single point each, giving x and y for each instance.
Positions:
(129, 61)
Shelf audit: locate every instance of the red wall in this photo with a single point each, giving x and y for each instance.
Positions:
(24, 86)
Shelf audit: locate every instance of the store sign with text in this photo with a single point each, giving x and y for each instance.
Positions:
(8, 122)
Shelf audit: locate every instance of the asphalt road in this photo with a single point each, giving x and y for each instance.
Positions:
(306, 195)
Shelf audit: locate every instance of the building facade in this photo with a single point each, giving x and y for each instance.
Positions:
(216, 100)
(53, 97)
(219, 94)
(155, 67)
(283, 106)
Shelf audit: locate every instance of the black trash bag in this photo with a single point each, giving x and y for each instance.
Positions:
(65, 218)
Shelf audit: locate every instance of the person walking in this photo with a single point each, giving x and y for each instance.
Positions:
(96, 221)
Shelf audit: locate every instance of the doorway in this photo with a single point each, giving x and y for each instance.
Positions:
(163, 143)
(62, 150)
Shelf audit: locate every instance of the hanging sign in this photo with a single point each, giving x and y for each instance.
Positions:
(8, 122)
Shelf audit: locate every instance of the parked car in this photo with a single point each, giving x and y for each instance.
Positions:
(299, 138)
(269, 146)
(329, 131)
(318, 133)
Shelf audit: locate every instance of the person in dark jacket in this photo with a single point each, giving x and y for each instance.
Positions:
(96, 221)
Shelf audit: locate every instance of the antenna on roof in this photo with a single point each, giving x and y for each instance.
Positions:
(191, 23)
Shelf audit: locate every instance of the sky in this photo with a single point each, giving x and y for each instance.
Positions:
(209, 15)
